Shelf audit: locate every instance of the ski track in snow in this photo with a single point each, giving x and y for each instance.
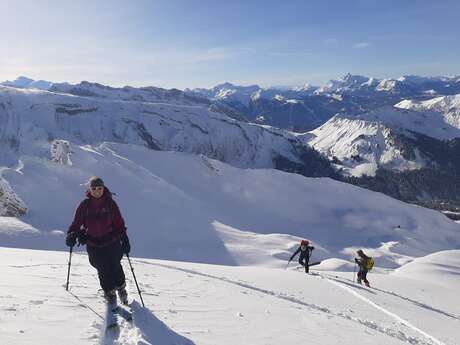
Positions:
(417, 303)
(395, 333)
(85, 305)
(131, 333)
(125, 333)
(375, 305)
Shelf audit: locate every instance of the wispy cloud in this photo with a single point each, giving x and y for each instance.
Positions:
(360, 45)
(290, 53)
(216, 54)
(192, 56)
(331, 41)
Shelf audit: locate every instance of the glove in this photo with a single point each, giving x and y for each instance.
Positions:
(125, 246)
(82, 238)
(71, 239)
(356, 260)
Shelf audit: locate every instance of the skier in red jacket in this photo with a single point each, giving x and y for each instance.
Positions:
(98, 224)
(305, 251)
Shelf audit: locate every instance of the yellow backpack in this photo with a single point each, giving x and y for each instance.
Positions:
(369, 263)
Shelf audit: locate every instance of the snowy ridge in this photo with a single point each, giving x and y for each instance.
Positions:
(45, 115)
(448, 106)
(128, 93)
(430, 123)
(365, 142)
(295, 108)
(349, 82)
(243, 95)
(24, 82)
(408, 85)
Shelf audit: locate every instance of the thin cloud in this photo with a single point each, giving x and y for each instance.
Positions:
(287, 53)
(191, 56)
(220, 53)
(362, 45)
(331, 41)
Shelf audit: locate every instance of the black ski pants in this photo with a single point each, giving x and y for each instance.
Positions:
(107, 261)
(304, 258)
(362, 275)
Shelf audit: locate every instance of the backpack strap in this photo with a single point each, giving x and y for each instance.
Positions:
(85, 212)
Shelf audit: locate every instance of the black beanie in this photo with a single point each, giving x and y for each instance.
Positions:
(96, 182)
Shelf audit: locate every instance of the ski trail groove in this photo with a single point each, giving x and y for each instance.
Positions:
(417, 303)
(389, 313)
(398, 334)
(85, 305)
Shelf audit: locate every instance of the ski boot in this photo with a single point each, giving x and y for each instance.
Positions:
(111, 299)
(123, 295)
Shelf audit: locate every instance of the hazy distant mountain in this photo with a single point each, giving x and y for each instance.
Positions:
(27, 83)
(304, 108)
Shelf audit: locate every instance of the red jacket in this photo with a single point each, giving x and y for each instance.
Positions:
(100, 219)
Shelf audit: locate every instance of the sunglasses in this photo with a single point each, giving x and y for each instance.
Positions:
(97, 188)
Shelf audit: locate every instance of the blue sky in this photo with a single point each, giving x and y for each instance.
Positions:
(200, 43)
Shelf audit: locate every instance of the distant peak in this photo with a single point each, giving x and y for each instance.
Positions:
(23, 79)
(354, 78)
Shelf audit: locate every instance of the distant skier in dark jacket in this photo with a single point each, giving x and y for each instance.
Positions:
(305, 254)
(98, 224)
(363, 267)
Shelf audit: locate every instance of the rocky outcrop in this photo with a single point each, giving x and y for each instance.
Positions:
(10, 204)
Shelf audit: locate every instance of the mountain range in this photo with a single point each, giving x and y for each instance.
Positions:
(213, 221)
(364, 133)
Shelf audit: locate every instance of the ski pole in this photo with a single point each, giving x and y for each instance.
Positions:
(135, 280)
(287, 265)
(354, 272)
(68, 269)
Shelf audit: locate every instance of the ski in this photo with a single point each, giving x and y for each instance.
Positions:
(111, 320)
(125, 312)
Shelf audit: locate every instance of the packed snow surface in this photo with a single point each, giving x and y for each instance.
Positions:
(189, 303)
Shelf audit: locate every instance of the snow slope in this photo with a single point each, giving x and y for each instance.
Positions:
(448, 106)
(365, 142)
(440, 268)
(206, 305)
(185, 207)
